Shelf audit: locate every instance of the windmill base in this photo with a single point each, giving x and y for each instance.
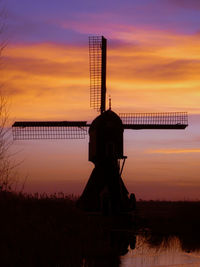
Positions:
(105, 191)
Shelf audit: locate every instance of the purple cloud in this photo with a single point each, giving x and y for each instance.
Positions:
(43, 21)
(193, 4)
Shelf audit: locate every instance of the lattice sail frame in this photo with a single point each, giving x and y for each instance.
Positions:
(49, 130)
(160, 120)
(97, 63)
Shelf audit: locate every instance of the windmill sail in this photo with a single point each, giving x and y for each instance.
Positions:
(28, 130)
(97, 60)
(165, 120)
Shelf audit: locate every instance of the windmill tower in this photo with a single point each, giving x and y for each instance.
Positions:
(105, 190)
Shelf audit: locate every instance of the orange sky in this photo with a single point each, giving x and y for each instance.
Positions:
(155, 71)
(161, 73)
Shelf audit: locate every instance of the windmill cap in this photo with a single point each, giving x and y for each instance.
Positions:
(107, 118)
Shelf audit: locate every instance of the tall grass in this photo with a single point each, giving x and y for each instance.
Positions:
(42, 230)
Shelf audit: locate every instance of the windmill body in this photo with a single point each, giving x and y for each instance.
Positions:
(105, 190)
(106, 137)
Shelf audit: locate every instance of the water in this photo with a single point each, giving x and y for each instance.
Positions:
(168, 253)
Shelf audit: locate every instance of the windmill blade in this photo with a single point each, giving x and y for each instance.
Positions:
(166, 120)
(97, 60)
(28, 130)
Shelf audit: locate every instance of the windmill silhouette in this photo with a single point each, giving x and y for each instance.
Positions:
(105, 190)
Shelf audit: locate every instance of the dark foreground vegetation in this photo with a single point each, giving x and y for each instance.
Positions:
(41, 230)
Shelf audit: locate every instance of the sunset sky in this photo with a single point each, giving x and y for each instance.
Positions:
(153, 65)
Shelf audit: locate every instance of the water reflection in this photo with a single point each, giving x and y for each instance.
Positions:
(168, 253)
(123, 248)
(107, 250)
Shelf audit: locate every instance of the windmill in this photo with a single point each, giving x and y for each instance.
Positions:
(105, 190)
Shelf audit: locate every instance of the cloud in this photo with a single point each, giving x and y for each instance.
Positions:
(71, 22)
(193, 4)
(155, 71)
(67, 61)
(174, 151)
(42, 67)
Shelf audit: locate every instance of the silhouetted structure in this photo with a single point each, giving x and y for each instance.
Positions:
(105, 190)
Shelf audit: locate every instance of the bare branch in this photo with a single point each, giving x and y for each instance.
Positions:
(7, 166)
